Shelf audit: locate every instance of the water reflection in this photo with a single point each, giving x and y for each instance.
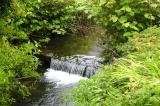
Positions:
(67, 45)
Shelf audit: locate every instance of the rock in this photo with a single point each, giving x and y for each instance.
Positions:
(45, 62)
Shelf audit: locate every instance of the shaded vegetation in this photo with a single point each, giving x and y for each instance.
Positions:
(17, 63)
(41, 18)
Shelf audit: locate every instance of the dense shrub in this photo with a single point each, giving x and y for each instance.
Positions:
(120, 17)
(130, 81)
(39, 17)
(51, 16)
(15, 63)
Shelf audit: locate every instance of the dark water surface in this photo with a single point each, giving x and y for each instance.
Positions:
(76, 44)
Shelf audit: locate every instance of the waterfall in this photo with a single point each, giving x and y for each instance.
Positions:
(82, 65)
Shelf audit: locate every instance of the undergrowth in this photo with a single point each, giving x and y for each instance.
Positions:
(16, 64)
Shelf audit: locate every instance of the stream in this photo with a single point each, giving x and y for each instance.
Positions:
(73, 58)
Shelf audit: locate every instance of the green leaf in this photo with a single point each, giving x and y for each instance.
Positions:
(154, 5)
(123, 19)
(152, 17)
(149, 16)
(39, 1)
(140, 25)
(128, 9)
(114, 18)
(126, 24)
(127, 34)
(132, 26)
(131, 13)
(89, 16)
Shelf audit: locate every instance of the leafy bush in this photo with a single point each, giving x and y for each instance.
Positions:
(15, 63)
(130, 81)
(51, 16)
(40, 17)
(120, 17)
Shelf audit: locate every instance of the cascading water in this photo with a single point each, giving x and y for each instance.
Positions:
(82, 65)
(62, 81)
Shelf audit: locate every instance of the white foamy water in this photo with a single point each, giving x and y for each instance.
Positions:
(62, 78)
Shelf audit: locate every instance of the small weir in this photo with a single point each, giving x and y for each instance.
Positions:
(82, 65)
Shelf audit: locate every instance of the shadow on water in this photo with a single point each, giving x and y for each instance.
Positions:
(74, 57)
(38, 91)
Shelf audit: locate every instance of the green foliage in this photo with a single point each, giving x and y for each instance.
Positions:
(90, 7)
(15, 63)
(40, 17)
(130, 81)
(120, 17)
(51, 16)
